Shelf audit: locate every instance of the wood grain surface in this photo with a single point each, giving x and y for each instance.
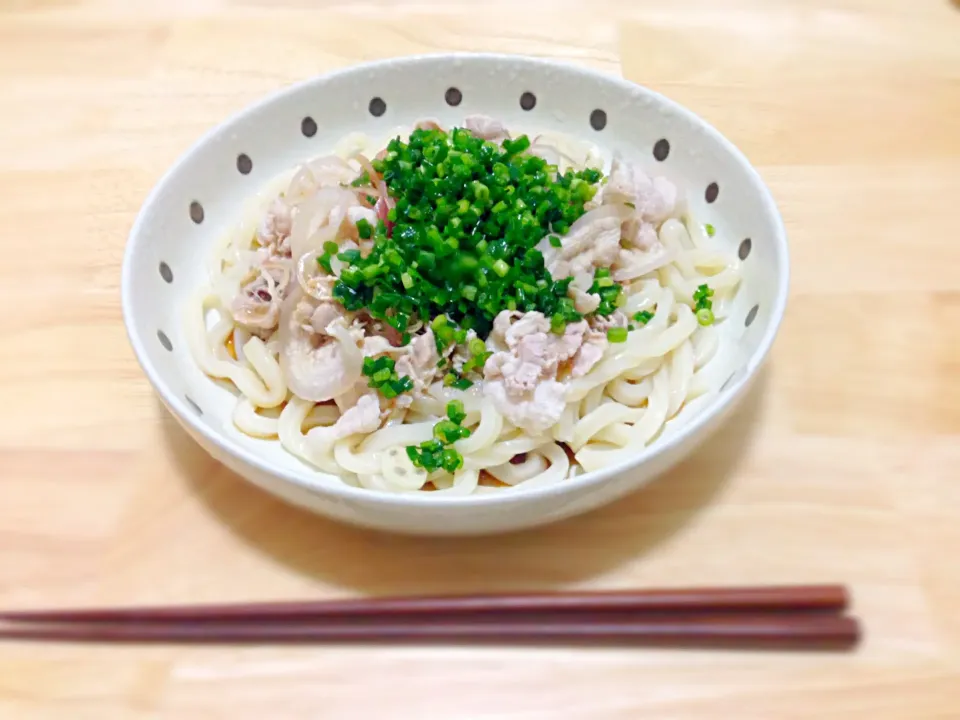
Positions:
(841, 466)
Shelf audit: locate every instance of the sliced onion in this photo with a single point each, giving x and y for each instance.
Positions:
(318, 219)
(326, 171)
(604, 211)
(427, 124)
(284, 266)
(551, 154)
(655, 262)
(330, 162)
(307, 261)
(336, 264)
(284, 332)
(351, 354)
(382, 208)
(385, 202)
(363, 193)
(372, 174)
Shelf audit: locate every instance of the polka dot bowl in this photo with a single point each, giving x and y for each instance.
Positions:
(201, 197)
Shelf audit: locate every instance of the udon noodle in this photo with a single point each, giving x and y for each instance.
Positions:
(545, 398)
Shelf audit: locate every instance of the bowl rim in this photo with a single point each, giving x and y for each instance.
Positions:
(434, 501)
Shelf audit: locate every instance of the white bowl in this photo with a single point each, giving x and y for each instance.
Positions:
(171, 241)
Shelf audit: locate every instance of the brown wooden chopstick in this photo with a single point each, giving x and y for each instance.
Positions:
(747, 599)
(779, 629)
(801, 616)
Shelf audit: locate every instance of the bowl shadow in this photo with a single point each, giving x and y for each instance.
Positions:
(564, 553)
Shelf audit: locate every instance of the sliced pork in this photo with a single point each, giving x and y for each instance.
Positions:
(486, 128)
(522, 378)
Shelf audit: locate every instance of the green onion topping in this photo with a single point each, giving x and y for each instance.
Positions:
(383, 377)
(703, 305)
(617, 335)
(462, 232)
(436, 454)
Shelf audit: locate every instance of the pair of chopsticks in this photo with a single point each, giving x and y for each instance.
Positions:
(801, 616)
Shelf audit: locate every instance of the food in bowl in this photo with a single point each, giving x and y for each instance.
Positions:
(465, 311)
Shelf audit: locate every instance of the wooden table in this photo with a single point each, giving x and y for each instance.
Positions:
(842, 466)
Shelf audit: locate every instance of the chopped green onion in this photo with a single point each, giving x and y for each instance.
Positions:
(481, 191)
(370, 271)
(455, 411)
(446, 431)
(452, 460)
(437, 453)
(558, 323)
(643, 317)
(702, 304)
(710, 229)
(429, 461)
(702, 293)
(477, 346)
(432, 445)
(460, 238)
(363, 229)
(617, 335)
(388, 391)
(383, 377)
